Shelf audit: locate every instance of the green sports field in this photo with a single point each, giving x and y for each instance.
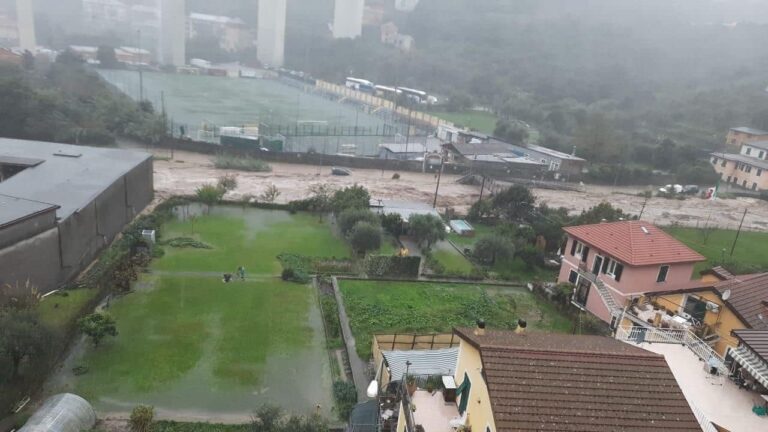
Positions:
(192, 345)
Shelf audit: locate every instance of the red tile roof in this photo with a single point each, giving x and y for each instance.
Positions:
(555, 382)
(636, 243)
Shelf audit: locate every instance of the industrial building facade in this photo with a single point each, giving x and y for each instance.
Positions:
(60, 205)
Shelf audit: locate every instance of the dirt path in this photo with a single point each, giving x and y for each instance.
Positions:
(187, 171)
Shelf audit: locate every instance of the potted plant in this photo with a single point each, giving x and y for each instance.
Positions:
(410, 384)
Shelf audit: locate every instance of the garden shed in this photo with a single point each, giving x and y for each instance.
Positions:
(63, 412)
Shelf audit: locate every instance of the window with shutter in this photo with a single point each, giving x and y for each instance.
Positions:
(573, 277)
(573, 247)
(663, 272)
(619, 270)
(585, 254)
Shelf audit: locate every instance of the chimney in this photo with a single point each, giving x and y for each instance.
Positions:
(521, 325)
(480, 329)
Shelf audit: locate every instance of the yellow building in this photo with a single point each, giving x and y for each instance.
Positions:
(717, 305)
(505, 381)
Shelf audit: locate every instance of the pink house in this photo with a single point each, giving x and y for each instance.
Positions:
(610, 262)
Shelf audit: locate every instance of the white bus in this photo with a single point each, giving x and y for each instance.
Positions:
(418, 96)
(387, 92)
(360, 85)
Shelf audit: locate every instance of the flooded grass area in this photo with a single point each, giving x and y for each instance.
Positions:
(196, 347)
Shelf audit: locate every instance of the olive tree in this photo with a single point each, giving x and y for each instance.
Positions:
(426, 229)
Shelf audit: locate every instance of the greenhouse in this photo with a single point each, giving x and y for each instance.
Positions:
(64, 412)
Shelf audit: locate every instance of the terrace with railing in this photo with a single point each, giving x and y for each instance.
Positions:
(702, 374)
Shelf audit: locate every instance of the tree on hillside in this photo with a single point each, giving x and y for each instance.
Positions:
(515, 203)
(23, 338)
(426, 229)
(352, 197)
(597, 139)
(548, 223)
(492, 249)
(365, 237)
(603, 212)
(350, 217)
(510, 133)
(96, 326)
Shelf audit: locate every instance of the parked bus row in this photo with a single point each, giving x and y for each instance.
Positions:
(391, 93)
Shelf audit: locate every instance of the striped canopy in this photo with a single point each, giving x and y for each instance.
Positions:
(428, 362)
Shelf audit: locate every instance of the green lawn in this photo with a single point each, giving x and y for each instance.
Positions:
(476, 120)
(388, 307)
(189, 342)
(453, 261)
(750, 249)
(58, 310)
(481, 231)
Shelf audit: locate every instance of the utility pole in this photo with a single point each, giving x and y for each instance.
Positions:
(439, 174)
(643, 209)
(739, 231)
(482, 186)
(141, 72)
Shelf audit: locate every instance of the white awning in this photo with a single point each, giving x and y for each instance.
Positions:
(427, 362)
(753, 364)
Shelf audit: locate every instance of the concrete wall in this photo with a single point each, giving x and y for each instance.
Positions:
(58, 255)
(27, 228)
(479, 410)
(140, 186)
(36, 259)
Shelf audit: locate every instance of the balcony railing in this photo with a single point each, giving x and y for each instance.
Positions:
(642, 332)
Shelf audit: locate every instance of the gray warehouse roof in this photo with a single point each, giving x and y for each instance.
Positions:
(749, 130)
(12, 209)
(70, 176)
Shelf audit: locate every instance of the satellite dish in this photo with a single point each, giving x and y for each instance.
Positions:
(726, 294)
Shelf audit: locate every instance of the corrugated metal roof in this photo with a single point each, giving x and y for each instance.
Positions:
(636, 243)
(539, 381)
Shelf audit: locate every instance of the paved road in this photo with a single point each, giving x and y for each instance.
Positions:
(358, 366)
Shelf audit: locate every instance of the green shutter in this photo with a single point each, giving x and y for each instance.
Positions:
(464, 390)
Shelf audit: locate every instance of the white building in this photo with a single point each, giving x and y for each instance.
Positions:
(348, 19)
(173, 35)
(231, 33)
(406, 5)
(104, 14)
(25, 19)
(271, 32)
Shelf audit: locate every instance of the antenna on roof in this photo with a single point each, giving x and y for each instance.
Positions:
(645, 230)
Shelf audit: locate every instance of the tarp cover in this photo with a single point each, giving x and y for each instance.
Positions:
(62, 413)
(431, 362)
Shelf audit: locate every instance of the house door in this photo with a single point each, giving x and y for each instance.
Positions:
(581, 293)
(598, 263)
